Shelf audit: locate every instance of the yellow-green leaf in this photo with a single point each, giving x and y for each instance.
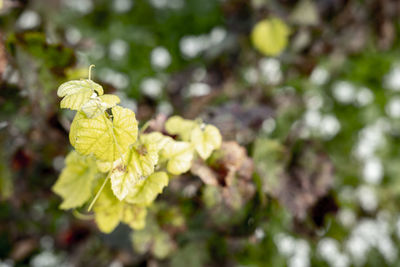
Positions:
(75, 182)
(179, 155)
(206, 140)
(136, 165)
(95, 106)
(147, 190)
(109, 100)
(108, 210)
(270, 36)
(125, 127)
(76, 93)
(178, 125)
(107, 140)
(104, 166)
(134, 216)
(157, 138)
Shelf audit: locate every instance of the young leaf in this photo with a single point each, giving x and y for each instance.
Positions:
(107, 140)
(109, 100)
(75, 182)
(205, 141)
(147, 190)
(95, 106)
(179, 155)
(178, 125)
(136, 165)
(76, 93)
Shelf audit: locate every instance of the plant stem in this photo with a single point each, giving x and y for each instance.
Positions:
(81, 215)
(100, 190)
(144, 127)
(90, 71)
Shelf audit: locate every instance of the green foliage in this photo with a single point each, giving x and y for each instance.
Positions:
(107, 140)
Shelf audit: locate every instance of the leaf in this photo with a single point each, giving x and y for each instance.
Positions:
(134, 216)
(75, 182)
(270, 36)
(146, 191)
(76, 93)
(179, 155)
(135, 166)
(104, 166)
(155, 137)
(107, 140)
(204, 172)
(178, 125)
(205, 141)
(108, 210)
(109, 100)
(95, 106)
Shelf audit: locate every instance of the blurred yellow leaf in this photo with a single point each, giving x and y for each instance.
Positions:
(270, 36)
(179, 155)
(206, 140)
(178, 125)
(75, 182)
(109, 211)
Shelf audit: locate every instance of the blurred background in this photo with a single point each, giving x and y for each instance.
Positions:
(310, 88)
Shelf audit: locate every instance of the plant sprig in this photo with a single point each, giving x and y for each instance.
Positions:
(131, 167)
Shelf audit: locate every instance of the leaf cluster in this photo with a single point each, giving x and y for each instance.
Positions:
(116, 168)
